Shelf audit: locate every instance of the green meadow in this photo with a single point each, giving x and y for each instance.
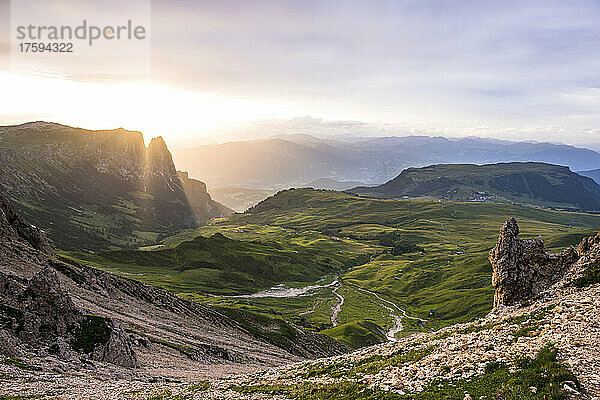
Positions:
(427, 258)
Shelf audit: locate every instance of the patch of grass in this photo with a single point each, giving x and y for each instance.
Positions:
(590, 276)
(357, 334)
(524, 331)
(516, 320)
(543, 372)
(366, 366)
(376, 363)
(93, 330)
(199, 386)
(188, 393)
(18, 363)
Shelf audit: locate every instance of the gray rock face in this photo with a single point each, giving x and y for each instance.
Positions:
(39, 313)
(12, 225)
(118, 349)
(47, 309)
(522, 268)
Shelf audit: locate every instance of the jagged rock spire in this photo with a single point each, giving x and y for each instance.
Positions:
(522, 268)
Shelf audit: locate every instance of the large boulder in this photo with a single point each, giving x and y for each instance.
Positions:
(522, 268)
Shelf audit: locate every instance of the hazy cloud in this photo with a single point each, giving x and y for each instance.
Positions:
(425, 65)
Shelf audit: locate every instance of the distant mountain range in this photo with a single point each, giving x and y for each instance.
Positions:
(98, 189)
(284, 161)
(594, 174)
(531, 183)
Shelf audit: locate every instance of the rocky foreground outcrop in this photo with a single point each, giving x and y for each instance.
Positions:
(62, 322)
(36, 312)
(522, 268)
(13, 226)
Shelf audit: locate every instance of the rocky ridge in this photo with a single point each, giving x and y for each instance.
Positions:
(62, 321)
(96, 189)
(522, 268)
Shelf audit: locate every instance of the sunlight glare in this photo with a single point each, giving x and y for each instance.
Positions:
(151, 108)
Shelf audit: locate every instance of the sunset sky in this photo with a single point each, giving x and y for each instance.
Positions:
(515, 70)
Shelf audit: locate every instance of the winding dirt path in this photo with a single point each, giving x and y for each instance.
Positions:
(392, 308)
(338, 306)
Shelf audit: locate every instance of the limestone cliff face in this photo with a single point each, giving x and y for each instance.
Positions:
(202, 205)
(522, 268)
(97, 189)
(160, 175)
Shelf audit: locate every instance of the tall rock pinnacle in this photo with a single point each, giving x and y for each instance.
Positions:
(522, 268)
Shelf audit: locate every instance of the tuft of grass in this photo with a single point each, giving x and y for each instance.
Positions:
(93, 330)
(18, 363)
(188, 393)
(590, 276)
(366, 366)
(524, 331)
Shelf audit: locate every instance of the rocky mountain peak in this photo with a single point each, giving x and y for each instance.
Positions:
(159, 159)
(158, 146)
(522, 268)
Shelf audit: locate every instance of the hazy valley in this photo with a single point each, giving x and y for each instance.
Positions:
(296, 160)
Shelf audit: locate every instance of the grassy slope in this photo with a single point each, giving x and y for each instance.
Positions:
(226, 266)
(452, 276)
(539, 184)
(357, 334)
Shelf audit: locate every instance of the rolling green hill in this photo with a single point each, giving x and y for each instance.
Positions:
(444, 275)
(220, 265)
(594, 174)
(425, 257)
(98, 189)
(537, 184)
(357, 334)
